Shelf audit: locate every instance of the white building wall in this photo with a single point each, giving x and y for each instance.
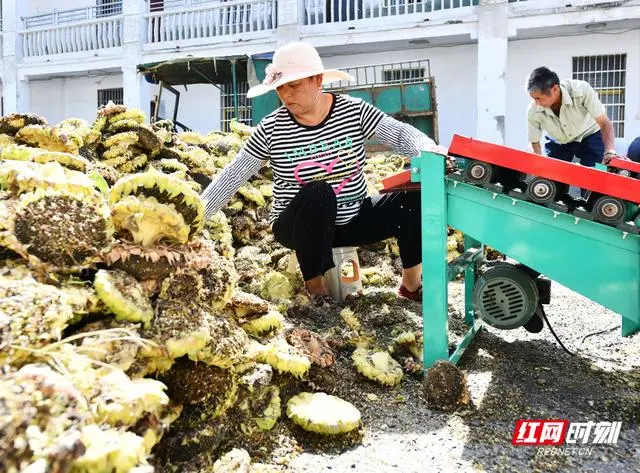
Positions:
(60, 98)
(57, 99)
(199, 107)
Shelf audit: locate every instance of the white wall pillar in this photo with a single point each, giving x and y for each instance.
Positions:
(288, 21)
(492, 70)
(15, 92)
(134, 31)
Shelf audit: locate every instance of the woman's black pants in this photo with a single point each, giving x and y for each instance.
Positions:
(308, 226)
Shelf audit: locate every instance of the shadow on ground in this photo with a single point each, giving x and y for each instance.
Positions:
(536, 379)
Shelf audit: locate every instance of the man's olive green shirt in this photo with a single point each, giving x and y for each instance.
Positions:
(580, 107)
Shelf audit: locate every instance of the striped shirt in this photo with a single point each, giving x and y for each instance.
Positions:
(332, 151)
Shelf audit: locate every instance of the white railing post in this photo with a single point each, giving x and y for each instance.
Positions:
(203, 20)
(288, 21)
(134, 36)
(15, 91)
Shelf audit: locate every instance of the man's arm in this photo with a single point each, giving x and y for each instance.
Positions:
(536, 148)
(608, 137)
(534, 129)
(597, 110)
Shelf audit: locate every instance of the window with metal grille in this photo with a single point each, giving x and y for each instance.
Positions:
(403, 75)
(607, 76)
(108, 8)
(114, 95)
(227, 109)
(409, 72)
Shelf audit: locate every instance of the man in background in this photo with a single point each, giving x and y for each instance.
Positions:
(633, 153)
(573, 118)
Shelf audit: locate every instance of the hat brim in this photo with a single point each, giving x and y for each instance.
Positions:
(328, 76)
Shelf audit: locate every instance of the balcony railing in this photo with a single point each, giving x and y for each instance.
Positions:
(200, 21)
(315, 12)
(155, 5)
(57, 17)
(182, 20)
(73, 38)
(73, 31)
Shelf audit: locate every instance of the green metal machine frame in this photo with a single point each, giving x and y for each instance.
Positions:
(595, 260)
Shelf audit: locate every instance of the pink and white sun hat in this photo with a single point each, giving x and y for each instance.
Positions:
(295, 61)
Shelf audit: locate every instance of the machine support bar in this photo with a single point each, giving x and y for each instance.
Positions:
(463, 262)
(470, 279)
(464, 343)
(429, 170)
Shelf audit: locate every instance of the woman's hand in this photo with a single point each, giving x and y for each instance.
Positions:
(434, 148)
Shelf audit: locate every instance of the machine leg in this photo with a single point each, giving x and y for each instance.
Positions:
(469, 282)
(630, 326)
(435, 276)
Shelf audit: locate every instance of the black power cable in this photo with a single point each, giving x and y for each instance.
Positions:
(544, 316)
(599, 332)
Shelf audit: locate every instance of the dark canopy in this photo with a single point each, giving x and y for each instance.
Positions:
(194, 70)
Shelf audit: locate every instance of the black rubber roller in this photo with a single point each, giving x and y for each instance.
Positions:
(479, 172)
(609, 210)
(545, 191)
(627, 173)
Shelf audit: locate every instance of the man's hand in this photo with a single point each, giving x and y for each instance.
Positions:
(610, 154)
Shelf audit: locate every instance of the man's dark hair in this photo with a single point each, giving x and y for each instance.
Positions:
(541, 80)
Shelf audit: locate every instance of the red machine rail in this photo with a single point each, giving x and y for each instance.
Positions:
(592, 179)
(399, 182)
(623, 164)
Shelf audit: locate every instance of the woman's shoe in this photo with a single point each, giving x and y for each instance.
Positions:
(413, 295)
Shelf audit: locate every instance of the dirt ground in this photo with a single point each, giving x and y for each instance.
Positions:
(512, 375)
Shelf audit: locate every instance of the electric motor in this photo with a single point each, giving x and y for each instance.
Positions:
(506, 296)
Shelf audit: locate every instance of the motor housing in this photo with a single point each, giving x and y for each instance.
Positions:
(506, 296)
